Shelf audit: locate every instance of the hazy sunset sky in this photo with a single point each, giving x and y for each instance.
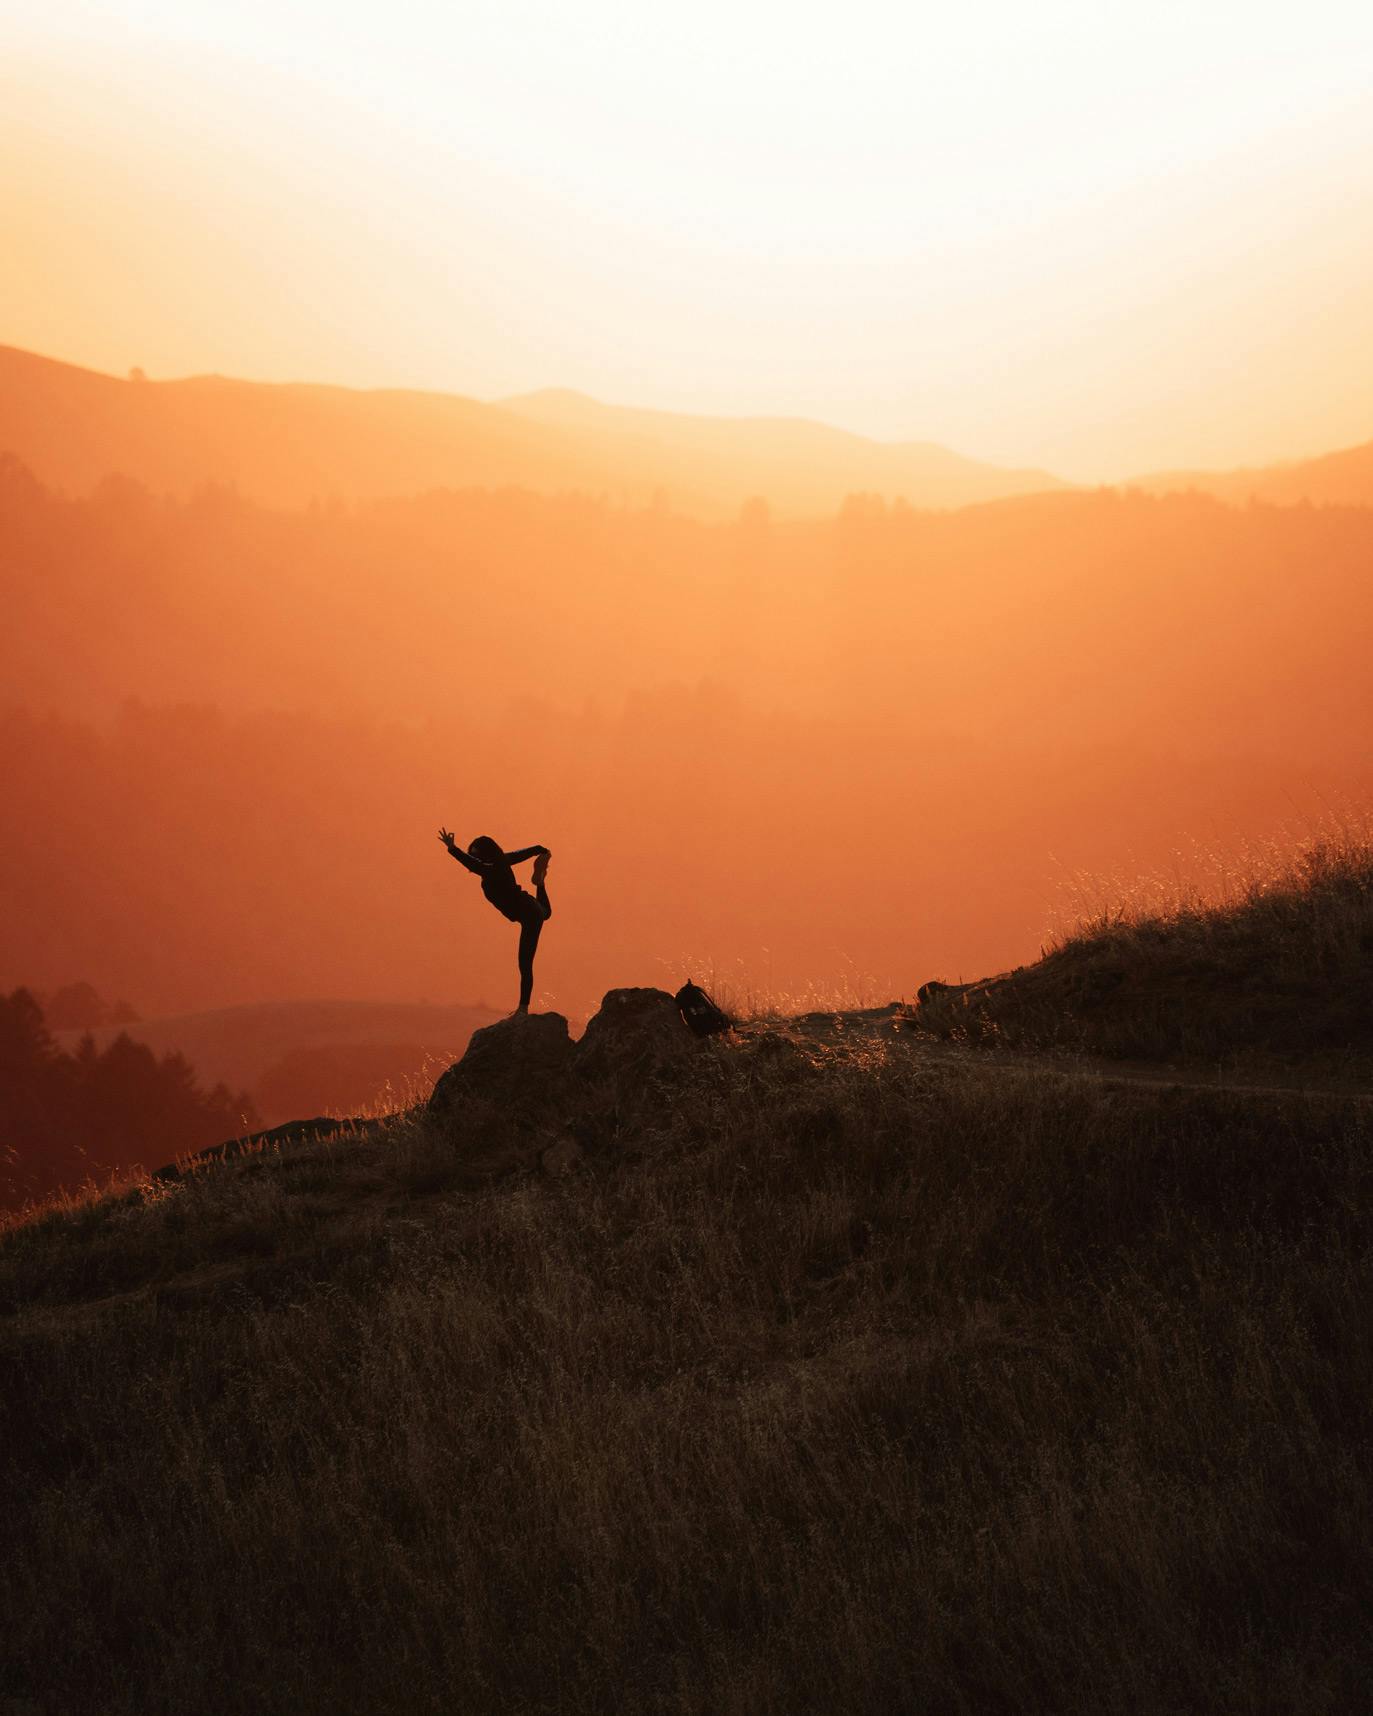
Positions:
(1100, 237)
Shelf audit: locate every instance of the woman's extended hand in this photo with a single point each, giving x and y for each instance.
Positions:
(447, 838)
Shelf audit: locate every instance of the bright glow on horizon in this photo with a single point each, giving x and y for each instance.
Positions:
(1100, 237)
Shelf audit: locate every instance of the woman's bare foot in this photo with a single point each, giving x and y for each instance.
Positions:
(541, 868)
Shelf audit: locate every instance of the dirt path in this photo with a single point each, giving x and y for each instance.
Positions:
(884, 1025)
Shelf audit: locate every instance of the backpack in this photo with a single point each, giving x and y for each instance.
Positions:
(700, 1012)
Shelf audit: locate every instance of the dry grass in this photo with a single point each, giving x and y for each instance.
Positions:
(846, 1383)
(1279, 974)
(746, 991)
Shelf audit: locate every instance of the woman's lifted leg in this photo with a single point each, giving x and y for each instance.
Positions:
(531, 926)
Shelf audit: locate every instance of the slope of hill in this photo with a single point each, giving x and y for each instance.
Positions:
(1343, 478)
(283, 444)
(290, 444)
(1279, 978)
(831, 1371)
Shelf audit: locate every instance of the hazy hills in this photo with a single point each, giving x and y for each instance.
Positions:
(289, 444)
(794, 463)
(86, 1102)
(293, 1055)
(265, 715)
(1335, 479)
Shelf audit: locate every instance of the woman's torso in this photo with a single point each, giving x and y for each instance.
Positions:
(503, 891)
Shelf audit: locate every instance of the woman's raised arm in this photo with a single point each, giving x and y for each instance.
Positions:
(523, 853)
(456, 851)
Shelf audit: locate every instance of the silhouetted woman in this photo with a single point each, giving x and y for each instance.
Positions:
(531, 912)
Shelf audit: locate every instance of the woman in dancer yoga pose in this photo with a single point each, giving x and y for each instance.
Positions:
(531, 912)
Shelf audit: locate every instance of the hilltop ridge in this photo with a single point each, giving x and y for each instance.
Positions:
(1276, 980)
(1340, 478)
(288, 443)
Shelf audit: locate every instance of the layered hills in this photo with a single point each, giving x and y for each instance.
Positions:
(880, 745)
(288, 445)
(294, 1057)
(800, 467)
(1343, 478)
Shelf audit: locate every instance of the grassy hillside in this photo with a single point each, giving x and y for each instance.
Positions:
(1280, 979)
(843, 1372)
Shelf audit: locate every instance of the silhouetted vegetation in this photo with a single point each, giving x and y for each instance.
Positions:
(851, 1384)
(1280, 975)
(69, 1117)
(845, 1372)
(80, 1007)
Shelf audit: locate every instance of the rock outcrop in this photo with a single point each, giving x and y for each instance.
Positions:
(637, 1035)
(525, 1094)
(521, 1065)
(525, 1081)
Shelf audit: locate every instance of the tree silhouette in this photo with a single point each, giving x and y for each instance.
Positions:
(67, 1117)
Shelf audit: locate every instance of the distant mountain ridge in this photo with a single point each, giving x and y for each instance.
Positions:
(290, 443)
(784, 458)
(1343, 478)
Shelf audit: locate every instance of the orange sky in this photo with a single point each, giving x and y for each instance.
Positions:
(1105, 238)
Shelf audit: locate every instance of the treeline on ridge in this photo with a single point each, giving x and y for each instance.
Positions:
(863, 750)
(1048, 610)
(68, 1117)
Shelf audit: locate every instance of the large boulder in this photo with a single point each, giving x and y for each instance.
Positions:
(521, 1066)
(638, 1036)
(525, 1094)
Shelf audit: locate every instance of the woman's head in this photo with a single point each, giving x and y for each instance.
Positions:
(487, 849)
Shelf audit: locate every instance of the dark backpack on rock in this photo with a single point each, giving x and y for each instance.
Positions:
(700, 1012)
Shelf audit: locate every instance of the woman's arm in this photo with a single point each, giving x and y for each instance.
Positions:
(523, 853)
(456, 851)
